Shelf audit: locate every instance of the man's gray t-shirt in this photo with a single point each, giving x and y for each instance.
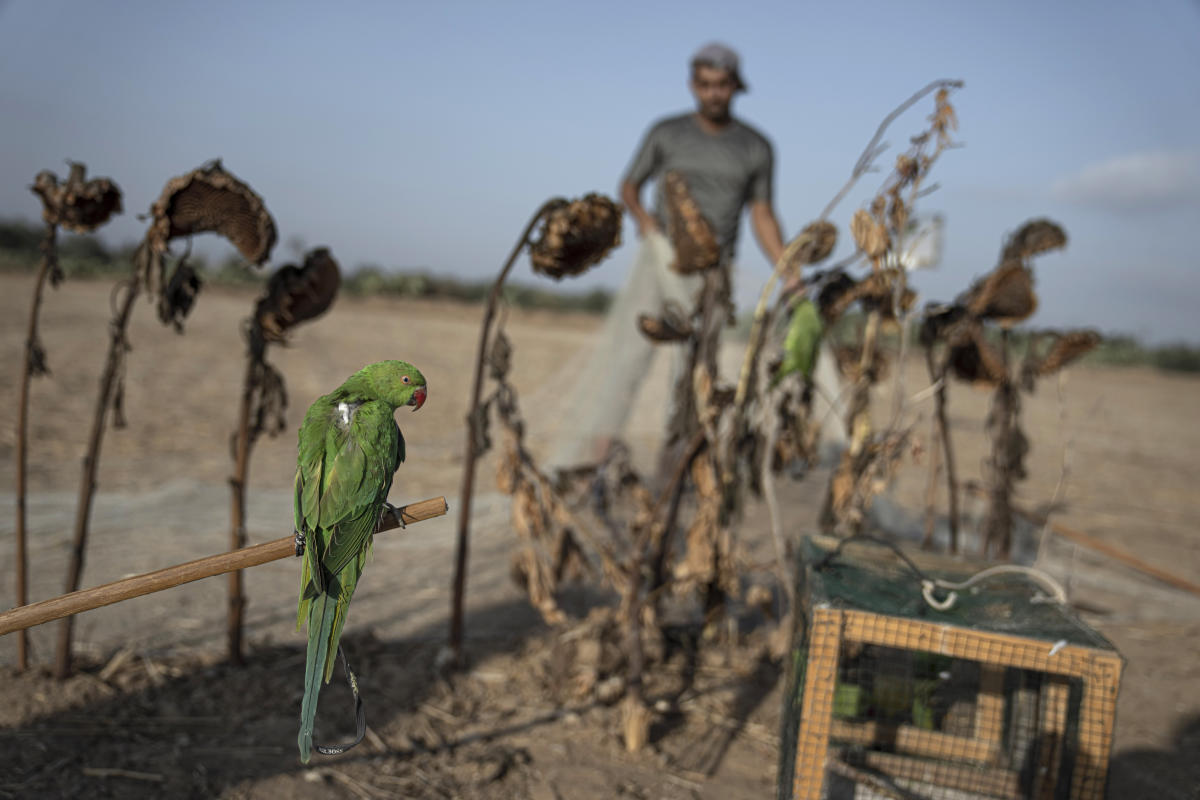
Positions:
(724, 171)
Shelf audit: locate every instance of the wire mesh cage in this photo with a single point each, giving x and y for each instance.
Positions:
(1002, 694)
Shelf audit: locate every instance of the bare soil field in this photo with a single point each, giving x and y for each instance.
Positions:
(154, 712)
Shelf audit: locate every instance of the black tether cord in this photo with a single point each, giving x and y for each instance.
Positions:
(864, 537)
(360, 714)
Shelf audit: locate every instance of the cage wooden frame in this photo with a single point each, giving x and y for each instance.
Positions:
(1098, 670)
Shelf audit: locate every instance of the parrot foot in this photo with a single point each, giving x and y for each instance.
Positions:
(299, 543)
(397, 514)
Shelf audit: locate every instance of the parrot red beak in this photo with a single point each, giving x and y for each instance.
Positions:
(418, 398)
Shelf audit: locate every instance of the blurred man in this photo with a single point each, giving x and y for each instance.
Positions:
(728, 166)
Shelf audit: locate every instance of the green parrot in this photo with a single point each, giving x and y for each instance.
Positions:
(350, 446)
(800, 345)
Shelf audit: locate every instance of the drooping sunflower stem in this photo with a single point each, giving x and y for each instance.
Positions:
(107, 398)
(34, 364)
(472, 452)
(938, 376)
(255, 353)
(1004, 466)
(576, 236)
(79, 205)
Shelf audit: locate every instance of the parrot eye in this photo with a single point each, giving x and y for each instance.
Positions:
(406, 379)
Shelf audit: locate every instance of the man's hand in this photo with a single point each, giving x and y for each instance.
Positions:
(766, 230)
(645, 223)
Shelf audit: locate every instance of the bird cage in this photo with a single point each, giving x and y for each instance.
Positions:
(900, 689)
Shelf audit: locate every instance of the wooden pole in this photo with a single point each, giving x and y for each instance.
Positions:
(87, 599)
(462, 546)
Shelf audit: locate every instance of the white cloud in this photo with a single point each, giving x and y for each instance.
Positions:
(1149, 181)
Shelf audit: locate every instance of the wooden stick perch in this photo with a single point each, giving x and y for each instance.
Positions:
(87, 599)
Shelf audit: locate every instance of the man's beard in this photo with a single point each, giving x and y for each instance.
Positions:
(714, 112)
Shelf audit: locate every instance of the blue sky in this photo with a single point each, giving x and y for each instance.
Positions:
(423, 135)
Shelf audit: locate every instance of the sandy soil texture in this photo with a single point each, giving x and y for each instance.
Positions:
(156, 713)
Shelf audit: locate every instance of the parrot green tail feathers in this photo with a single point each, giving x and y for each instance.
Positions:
(320, 625)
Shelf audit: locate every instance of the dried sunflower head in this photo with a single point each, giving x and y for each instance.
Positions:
(212, 199)
(1035, 236)
(203, 200)
(812, 245)
(836, 294)
(296, 294)
(576, 236)
(77, 204)
(691, 234)
(1005, 295)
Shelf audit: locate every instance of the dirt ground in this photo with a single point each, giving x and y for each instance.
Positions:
(155, 712)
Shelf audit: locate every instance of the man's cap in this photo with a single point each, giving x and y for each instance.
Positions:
(720, 56)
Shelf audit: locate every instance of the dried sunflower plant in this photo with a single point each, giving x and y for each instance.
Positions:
(573, 237)
(969, 340)
(639, 534)
(79, 205)
(294, 294)
(770, 426)
(885, 299)
(203, 200)
(644, 540)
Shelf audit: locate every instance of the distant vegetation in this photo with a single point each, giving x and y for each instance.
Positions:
(89, 257)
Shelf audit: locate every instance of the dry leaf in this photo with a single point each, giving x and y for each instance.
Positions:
(972, 358)
(835, 295)
(691, 235)
(635, 722)
(870, 236)
(1067, 347)
(897, 212)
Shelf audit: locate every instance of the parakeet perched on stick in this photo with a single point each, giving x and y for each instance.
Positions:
(349, 448)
